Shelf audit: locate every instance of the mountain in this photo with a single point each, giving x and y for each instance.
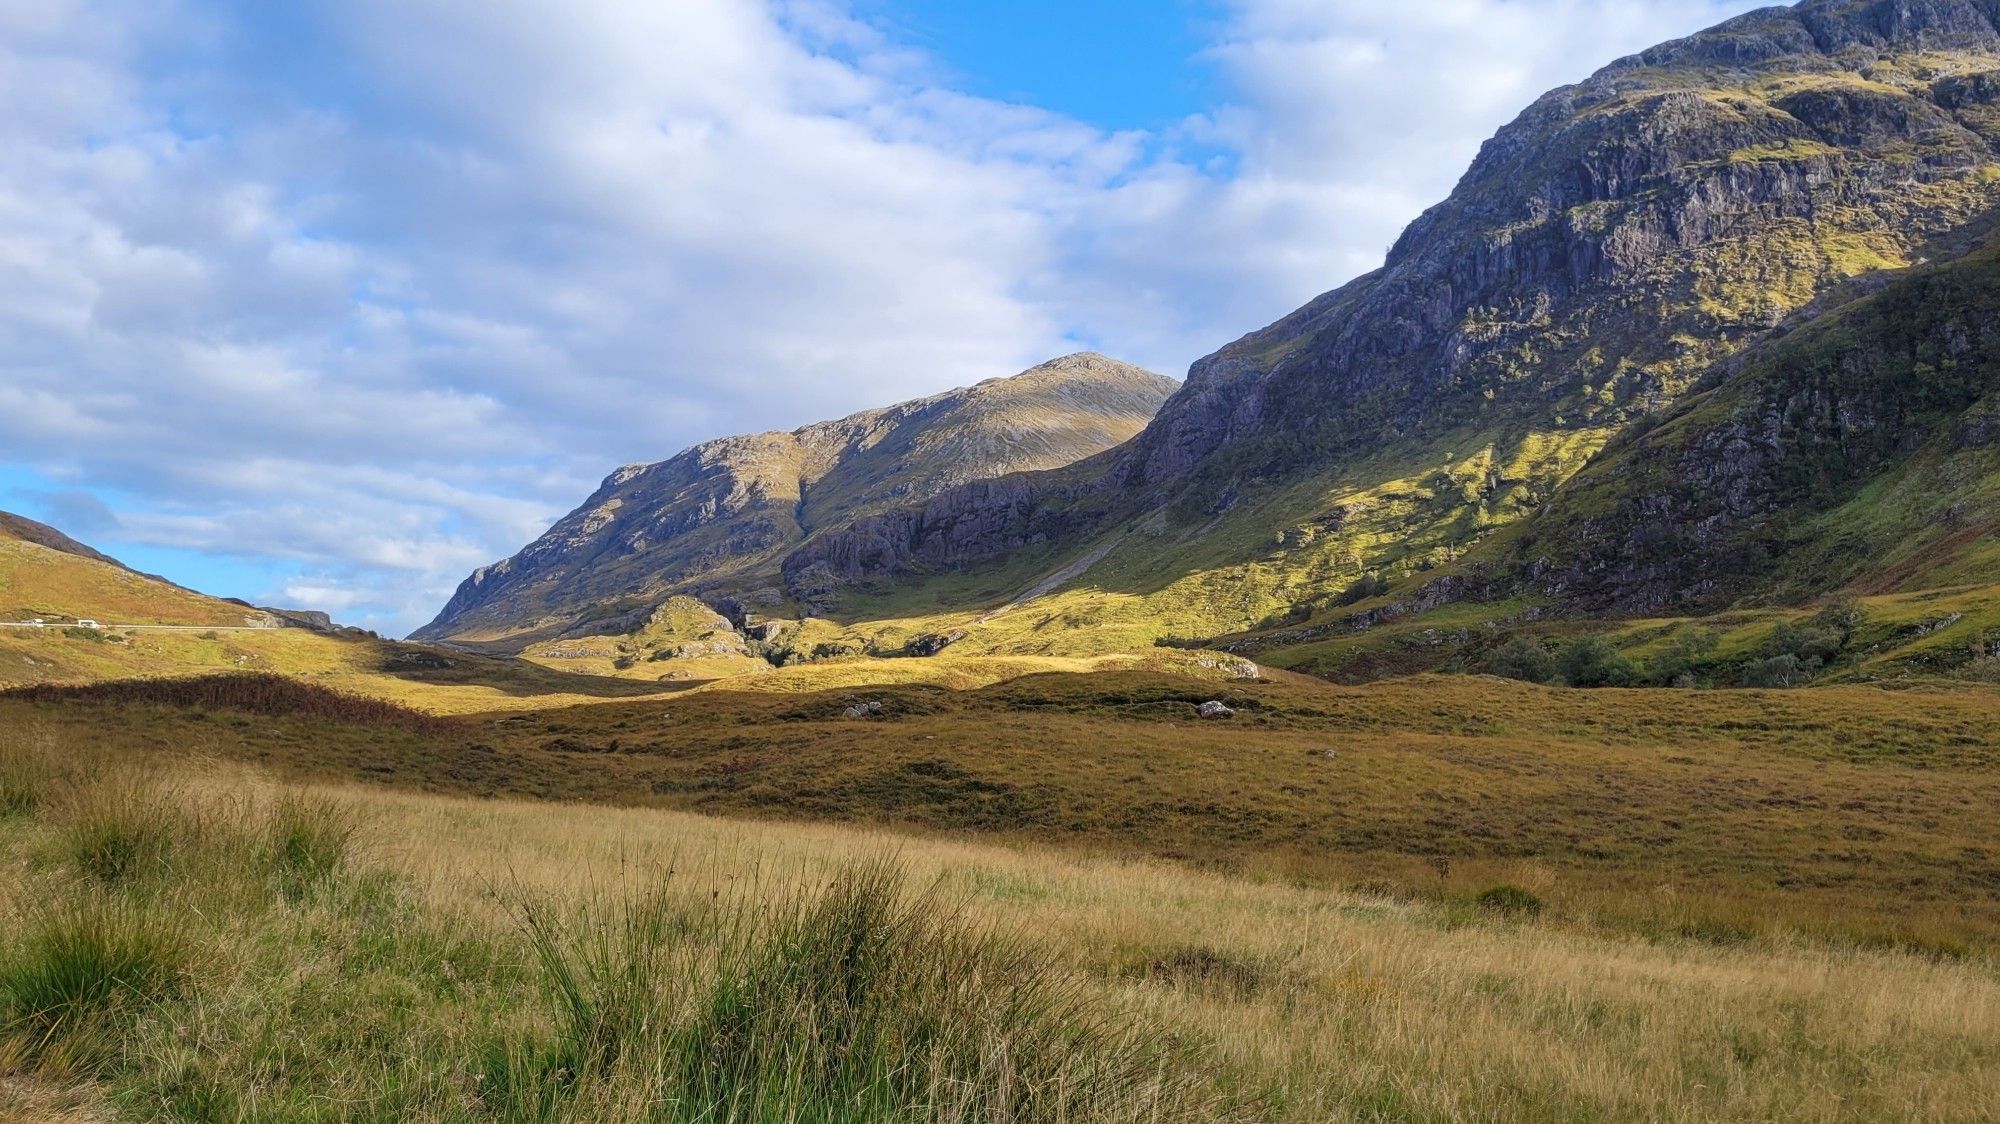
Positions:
(1607, 251)
(720, 518)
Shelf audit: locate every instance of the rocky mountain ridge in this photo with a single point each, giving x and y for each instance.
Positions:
(1613, 250)
(719, 518)
(1605, 250)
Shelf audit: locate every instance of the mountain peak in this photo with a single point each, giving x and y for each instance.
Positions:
(719, 517)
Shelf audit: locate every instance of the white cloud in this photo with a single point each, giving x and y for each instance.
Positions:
(377, 289)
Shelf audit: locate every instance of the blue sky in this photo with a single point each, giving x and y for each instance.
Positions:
(323, 304)
(1117, 65)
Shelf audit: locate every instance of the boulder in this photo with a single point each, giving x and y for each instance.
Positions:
(863, 710)
(1216, 710)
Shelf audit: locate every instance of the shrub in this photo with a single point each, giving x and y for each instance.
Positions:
(249, 693)
(1371, 585)
(1777, 671)
(1794, 653)
(1524, 659)
(1591, 661)
(1675, 666)
(1509, 901)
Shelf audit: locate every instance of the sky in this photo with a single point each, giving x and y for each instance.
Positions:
(324, 304)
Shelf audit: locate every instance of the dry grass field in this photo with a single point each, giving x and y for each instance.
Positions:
(1857, 814)
(190, 940)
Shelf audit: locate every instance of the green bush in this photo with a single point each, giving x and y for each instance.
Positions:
(1509, 900)
(1591, 661)
(1676, 665)
(1794, 653)
(1524, 659)
(1777, 671)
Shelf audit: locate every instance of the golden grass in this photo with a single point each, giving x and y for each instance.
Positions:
(1844, 813)
(1332, 1005)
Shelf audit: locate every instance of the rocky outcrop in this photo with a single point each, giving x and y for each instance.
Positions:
(718, 519)
(1720, 498)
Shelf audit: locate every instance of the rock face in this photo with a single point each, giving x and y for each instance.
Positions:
(1860, 451)
(718, 519)
(1605, 250)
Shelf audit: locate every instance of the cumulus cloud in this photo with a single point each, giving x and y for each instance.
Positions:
(373, 289)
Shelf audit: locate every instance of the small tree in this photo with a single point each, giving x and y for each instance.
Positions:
(1522, 658)
(1591, 661)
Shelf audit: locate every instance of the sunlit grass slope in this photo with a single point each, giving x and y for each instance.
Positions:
(40, 581)
(197, 944)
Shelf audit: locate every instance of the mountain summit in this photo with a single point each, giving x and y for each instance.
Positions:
(719, 518)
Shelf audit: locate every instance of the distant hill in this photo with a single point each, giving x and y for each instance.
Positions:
(45, 573)
(1607, 252)
(718, 519)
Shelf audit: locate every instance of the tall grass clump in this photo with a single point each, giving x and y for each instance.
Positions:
(30, 775)
(75, 969)
(859, 1002)
(306, 842)
(123, 825)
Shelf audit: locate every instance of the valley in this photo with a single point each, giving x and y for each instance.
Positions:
(1554, 676)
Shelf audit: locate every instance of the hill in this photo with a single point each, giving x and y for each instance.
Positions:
(719, 518)
(46, 574)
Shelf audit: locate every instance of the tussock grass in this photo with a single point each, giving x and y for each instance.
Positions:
(857, 1000)
(307, 841)
(123, 825)
(79, 966)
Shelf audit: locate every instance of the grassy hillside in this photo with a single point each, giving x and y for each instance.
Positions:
(59, 586)
(199, 944)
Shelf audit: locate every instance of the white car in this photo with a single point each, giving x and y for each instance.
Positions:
(87, 624)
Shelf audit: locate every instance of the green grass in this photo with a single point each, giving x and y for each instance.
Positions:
(76, 969)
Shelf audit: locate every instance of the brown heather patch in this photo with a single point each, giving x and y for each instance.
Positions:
(246, 693)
